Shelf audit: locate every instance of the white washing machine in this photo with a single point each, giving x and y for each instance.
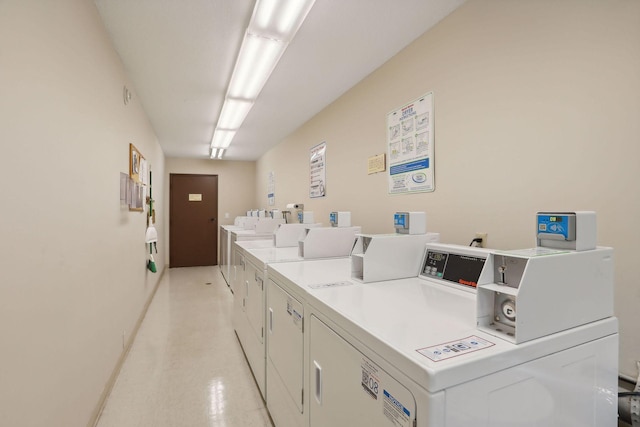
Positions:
(421, 352)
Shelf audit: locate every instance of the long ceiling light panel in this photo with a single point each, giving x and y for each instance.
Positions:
(222, 138)
(233, 113)
(258, 57)
(273, 25)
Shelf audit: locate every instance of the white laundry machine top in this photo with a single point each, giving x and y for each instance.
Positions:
(425, 328)
(263, 256)
(250, 233)
(232, 227)
(254, 244)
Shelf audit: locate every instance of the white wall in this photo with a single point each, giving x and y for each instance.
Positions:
(236, 185)
(73, 280)
(536, 108)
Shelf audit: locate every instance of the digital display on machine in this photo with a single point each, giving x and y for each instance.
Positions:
(456, 268)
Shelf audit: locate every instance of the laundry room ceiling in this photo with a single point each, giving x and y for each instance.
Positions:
(179, 55)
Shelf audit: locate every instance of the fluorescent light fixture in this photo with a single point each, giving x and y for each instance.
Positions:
(257, 59)
(273, 25)
(214, 152)
(279, 19)
(222, 138)
(233, 113)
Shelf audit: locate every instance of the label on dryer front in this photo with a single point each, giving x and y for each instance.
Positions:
(295, 311)
(370, 378)
(392, 399)
(395, 411)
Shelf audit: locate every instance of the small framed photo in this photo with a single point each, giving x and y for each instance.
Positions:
(136, 179)
(135, 161)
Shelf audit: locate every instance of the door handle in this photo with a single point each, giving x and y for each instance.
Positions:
(318, 383)
(213, 219)
(270, 320)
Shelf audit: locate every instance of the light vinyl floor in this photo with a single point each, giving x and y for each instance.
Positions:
(186, 366)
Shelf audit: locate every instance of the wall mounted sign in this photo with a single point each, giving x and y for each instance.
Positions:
(318, 170)
(271, 188)
(410, 143)
(138, 179)
(376, 164)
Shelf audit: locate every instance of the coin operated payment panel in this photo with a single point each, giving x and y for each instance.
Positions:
(410, 222)
(379, 257)
(564, 282)
(340, 219)
(567, 230)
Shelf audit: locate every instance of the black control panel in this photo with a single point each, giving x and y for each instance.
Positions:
(455, 268)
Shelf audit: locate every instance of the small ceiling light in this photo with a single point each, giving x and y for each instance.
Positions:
(220, 153)
(214, 152)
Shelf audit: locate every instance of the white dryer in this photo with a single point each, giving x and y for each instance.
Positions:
(422, 352)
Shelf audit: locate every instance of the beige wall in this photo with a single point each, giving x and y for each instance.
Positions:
(536, 108)
(73, 281)
(236, 185)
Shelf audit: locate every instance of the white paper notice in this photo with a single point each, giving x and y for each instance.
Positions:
(317, 170)
(410, 147)
(271, 188)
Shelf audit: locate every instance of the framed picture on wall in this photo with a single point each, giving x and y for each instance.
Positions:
(135, 161)
(136, 178)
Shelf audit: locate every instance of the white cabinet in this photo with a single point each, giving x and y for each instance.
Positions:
(350, 389)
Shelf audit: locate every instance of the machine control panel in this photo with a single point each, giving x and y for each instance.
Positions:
(401, 221)
(557, 226)
(340, 219)
(410, 222)
(456, 268)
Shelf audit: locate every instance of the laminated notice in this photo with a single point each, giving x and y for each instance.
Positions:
(395, 411)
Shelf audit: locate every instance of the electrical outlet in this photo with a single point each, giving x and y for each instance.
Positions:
(482, 236)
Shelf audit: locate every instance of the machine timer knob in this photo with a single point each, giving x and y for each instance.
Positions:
(509, 309)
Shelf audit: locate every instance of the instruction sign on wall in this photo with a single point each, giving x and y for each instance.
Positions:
(271, 188)
(410, 147)
(318, 170)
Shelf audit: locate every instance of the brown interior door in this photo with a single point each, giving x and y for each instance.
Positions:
(193, 223)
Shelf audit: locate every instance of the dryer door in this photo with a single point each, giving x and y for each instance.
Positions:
(285, 340)
(348, 388)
